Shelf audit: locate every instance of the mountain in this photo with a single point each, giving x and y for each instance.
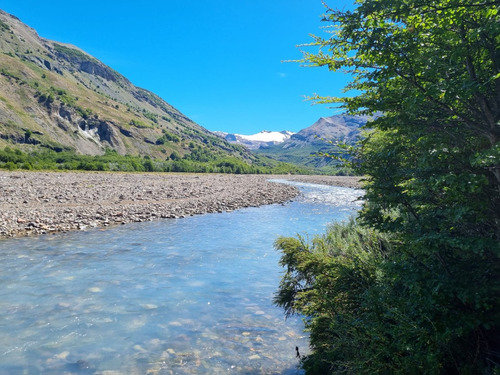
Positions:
(56, 96)
(301, 147)
(335, 128)
(264, 138)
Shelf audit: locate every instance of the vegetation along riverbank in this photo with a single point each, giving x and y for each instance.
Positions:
(412, 285)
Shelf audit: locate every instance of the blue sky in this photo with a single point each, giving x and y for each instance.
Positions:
(219, 61)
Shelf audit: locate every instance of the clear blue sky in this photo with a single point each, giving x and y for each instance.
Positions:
(217, 61)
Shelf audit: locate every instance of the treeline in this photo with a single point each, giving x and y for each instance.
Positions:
(412, 285)
(198, 162)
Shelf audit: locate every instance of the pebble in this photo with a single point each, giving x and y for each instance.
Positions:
(35, 203)
(140, 349)
(62, 355)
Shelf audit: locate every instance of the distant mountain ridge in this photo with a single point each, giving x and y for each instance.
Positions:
(301, 147)
(337, 128)
(56, 96)
(264, 138)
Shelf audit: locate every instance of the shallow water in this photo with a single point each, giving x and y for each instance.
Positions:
(186, 296)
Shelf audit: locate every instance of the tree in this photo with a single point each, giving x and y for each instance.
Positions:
(148, 165)
(432, 68)
(175, 156)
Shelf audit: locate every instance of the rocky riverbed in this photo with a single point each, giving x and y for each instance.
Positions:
(33, 203)
(344, 181)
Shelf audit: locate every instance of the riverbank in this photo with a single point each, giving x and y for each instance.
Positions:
(343, 181)
(33, 203)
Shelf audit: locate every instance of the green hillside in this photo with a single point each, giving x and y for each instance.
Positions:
(59, 104)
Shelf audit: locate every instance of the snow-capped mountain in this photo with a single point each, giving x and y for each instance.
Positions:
(301, 147)
(254, 141)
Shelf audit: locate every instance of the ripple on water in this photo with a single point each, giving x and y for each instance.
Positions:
(189, 296)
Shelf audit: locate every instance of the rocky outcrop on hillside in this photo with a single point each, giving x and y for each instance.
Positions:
(67, 99)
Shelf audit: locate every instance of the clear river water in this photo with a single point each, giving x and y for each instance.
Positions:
(179, 296)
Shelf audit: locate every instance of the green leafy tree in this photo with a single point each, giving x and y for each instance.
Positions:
(148, 165)
(432, 69)
(175, 156)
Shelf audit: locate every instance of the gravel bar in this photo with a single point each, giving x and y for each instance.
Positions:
(34, 203)
(343, 181)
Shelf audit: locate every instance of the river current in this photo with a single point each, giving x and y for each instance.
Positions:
(183, 296)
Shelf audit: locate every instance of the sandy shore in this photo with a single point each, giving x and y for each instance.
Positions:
(33, 203)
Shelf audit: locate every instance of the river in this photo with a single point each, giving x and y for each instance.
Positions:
(183, 296)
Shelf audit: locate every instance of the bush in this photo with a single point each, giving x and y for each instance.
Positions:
(139, 124)
(429, 305)
(174, 156)
(338, 282)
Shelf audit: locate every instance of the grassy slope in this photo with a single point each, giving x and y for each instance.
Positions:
(86, 103)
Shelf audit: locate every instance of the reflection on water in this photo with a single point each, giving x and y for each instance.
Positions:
(187, 296)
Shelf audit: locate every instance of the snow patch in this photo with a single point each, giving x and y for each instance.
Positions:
(267, 136)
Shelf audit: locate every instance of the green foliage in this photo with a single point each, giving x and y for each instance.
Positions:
(151, 116)
(69, 100)
(308, 157)
(9, 74)
(371, 310)
(4, 26)
(203, 154)
(287, 168)
(338, 282)
(59, 92)
(59, 159)
(430, 304)
(139, 124)
(234, 165)
(168, 137)
(72, 53)
(46, 99)
(84, 112)
(148, 165)
(175, 156)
